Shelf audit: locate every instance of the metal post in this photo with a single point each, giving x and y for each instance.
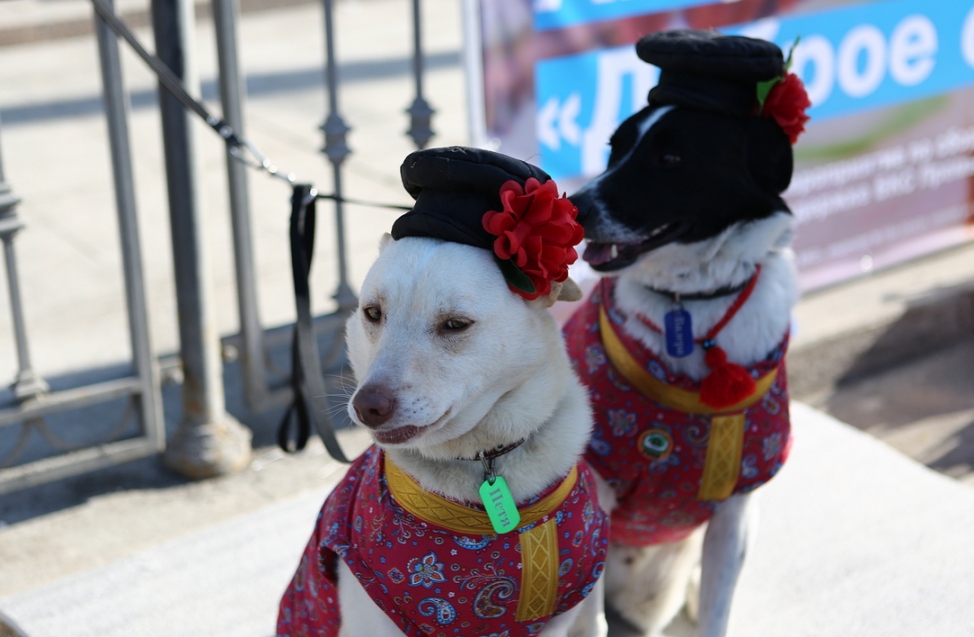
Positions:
(116, 111)
(336, 149)
(27, 384)
(209, 441)
(225, 18)
(420, 112)
(473, 63)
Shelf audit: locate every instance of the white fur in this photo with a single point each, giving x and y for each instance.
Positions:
(725, 260)
(725, 546)
(650, 590)
(648, 585)
(504, 378)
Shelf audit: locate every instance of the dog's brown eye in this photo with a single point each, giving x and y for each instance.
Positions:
(456, 324)
(671, 159)
(372, 313)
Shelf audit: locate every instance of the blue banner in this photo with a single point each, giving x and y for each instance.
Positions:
(557, 14)
(851, 59)
(581, 100)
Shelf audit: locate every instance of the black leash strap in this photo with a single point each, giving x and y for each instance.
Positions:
(310, 403)
(242, 149)
(168, 79)
(360, 202)
(310, 397)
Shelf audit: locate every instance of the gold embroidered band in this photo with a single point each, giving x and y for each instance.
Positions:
(723, 464)
(652, 387)
(539, 572)
(435, 509)
(725, 446)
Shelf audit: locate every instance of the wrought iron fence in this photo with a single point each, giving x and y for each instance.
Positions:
(31, 403)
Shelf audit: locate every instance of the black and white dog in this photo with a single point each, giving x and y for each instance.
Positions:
(688, 222)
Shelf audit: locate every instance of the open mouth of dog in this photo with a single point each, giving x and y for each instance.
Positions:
(396, 436)
(405, 433)
(608, 256)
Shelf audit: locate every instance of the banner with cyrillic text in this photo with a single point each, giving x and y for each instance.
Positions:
(885, 170)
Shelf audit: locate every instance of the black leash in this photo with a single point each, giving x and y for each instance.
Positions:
(310, 404)
(169, 79)
(237, 146)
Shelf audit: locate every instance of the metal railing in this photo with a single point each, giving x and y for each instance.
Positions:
(251, 341)
(34, 402)
(199, 358)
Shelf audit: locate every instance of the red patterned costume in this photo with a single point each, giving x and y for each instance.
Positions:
(454, 576)
(670, 458)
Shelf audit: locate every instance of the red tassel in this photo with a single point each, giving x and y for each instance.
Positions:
(727, 384)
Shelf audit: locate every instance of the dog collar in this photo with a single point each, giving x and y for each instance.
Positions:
(435, 509)
(496, 452)
(487, 457)
(659, 390)
(728, 290)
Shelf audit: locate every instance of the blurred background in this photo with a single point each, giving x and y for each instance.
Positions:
(148, 303)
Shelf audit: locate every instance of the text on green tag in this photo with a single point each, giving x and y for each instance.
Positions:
(500, 506)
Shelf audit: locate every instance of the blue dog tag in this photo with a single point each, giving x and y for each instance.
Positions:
(678, 330)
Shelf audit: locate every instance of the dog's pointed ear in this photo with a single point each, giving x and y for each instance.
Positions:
(384, 242)
(566, 290)
(769, 155)
(569, 291)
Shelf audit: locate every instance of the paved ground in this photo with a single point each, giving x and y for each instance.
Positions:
(854, 539)
(870, 523)
(924, 408)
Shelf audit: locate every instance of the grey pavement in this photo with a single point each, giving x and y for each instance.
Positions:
(924, 409)
(856, 539)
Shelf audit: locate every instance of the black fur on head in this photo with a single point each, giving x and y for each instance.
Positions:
(697, 159)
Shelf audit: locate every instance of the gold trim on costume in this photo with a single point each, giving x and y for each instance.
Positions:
(654, 388)
(539, 572)
(723, 464)
(725, 446)
(437, 510)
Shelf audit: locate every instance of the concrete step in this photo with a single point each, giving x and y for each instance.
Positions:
(855, 539)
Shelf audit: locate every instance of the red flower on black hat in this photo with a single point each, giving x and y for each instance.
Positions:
(536, 236)
(786, 103)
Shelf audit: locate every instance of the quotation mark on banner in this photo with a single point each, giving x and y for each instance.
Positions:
(557, 121)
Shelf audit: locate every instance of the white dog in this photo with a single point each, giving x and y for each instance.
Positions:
(441, 341)
(682, 344)
(467, 390)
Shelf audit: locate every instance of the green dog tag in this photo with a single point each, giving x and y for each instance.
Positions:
(500, 506)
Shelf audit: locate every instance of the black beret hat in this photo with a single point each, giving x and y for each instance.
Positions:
(453, 188)
(710, 71)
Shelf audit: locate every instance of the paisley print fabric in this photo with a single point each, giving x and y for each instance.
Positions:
(654, 456)
(430, 580)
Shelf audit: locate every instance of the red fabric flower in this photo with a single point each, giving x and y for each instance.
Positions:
(536, 231)
(786, 103)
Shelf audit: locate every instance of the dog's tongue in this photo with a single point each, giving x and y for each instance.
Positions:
(598, 253)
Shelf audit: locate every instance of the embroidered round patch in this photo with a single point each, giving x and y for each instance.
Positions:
(655, 444)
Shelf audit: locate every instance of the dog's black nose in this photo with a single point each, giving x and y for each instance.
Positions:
(374, 405)
(586, 206)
